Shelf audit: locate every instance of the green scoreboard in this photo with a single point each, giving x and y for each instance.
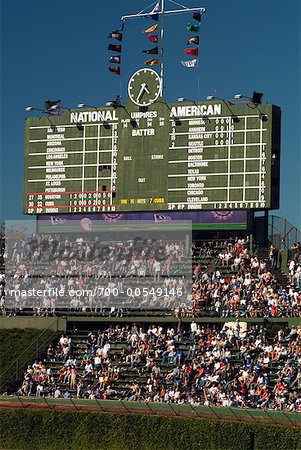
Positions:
(147, 155)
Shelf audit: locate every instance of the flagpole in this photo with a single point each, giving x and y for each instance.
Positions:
(172, 11)
(162, 49)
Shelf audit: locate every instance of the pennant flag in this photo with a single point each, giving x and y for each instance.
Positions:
(153, 38)
(115, 70)
(115, 59)
(116, 35)
(193, 40)
(191, 63)
(151, 62)
(115, 48)
(194, 28)
(152, 51)
(150, 29)
(192, 51)
(197, 16)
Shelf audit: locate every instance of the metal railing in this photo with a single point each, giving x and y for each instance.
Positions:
(282, 233)
(248, 415)
(31, 352)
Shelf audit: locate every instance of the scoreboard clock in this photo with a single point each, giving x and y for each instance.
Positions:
(151, 156)
(144, 87)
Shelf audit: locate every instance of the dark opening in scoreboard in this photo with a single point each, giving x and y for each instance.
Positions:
(198, 156)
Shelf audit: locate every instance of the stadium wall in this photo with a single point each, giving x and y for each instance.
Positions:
(78, 430)
(39, 323)
(60, 324)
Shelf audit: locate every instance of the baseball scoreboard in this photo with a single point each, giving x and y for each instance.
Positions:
(147, 155)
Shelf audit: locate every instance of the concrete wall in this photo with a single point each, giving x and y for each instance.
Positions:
(40, 323)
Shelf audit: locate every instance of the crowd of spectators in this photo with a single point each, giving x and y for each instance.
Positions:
(234, 282)
(241, 284)
(225, 365)
(294, 264)
(89, 274)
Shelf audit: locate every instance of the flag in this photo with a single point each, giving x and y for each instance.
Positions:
(115, 70)
(197, 16)
(150, 29)
(115, 59)
(190, 63)
(151, 62)
(115, 48)
(116, 35)
(194, 28)
(193, 40)
(152, 51)
(192, 51)
(153, 38)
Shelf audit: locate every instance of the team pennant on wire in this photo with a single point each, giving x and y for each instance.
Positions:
(116, 35)
(115, 59)
(115, 48)
(193, 28)
(115, 70)
(197, 16)
(152, 51)
(191, 63)
(192, 51)
(150, 29)
(193, 40)
(153, 38)
(151, 62)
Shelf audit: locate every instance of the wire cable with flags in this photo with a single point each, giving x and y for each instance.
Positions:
(194, 40)
(118, 35)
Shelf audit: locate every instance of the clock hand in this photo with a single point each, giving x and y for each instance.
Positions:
(146, 89)
(142, 90)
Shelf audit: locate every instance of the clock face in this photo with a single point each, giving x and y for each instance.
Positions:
(144, 87)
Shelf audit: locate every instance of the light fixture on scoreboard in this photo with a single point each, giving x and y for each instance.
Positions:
(226, 103)
(84, 105)
(52, 108)
(184, 99)
(255, 99)
(114, 103)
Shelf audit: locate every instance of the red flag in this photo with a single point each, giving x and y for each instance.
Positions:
(192, 51)
(153, 38)
(115, 70)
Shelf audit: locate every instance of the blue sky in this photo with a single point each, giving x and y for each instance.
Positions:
(58, 50)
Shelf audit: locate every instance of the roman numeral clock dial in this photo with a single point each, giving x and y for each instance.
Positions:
(144, 87)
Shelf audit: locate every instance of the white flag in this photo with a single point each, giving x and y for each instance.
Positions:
(190, 63)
